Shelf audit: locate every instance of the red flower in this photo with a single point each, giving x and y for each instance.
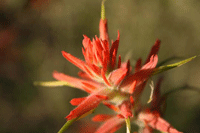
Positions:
(115, 84)
(101, 77)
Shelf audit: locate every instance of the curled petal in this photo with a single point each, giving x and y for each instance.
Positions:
(110, 125)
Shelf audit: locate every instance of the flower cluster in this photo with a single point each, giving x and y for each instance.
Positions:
(116, 84)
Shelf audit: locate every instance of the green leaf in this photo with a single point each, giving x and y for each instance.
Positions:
(128, 125)
(70, 122)
(52, 83)
(167, 67)
(168, 60)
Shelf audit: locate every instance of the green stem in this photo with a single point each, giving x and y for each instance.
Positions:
(103, 13)
(66, 125)
(128, 125)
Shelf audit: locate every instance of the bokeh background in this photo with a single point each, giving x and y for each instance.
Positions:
(34, 32)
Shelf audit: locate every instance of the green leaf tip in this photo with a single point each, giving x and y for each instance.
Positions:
(51, 83)
(103, 13)
(167, 67)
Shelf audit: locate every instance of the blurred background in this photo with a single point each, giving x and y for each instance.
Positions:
(34, 32)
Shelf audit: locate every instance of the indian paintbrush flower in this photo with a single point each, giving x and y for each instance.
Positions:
(114, 83)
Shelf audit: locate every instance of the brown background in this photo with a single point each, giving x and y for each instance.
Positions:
(33, 33)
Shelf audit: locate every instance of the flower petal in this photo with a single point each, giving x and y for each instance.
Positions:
(77, 62)
(101, 117)
(117, 75)
(142, 75)
(77, 101)
(111, 125)
(138, 65)
(103, 29)
(75, 82)
(157, 122)
(91, 102)
(154, 50)
(125, 109)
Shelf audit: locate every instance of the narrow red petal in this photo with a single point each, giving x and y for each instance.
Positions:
(86, 41)
(77, 101)
(104, 77)
(118, 75)
(75, 82)
(102, 97)
(120, 116)
(156, 95)
(113, 51)
(132, 87)
(142, 75)
(154, 50)
(90, 86)
(91, 102)
(101, 117)
(113, 59)
(111, 106)
(119, 62)
(128, 67)
(77, 62)
(138, 64)
(157, 122)
(103, 29)
(132, 101)
(110, 125)
(105, 61)
(83, 75)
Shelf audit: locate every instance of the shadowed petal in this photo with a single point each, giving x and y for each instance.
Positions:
(111, 125)
(156, 122)
(101, 117)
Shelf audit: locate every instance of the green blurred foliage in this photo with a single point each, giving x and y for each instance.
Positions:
(33, 33)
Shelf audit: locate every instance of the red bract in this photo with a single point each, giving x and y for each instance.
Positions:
(101, 77)
(115, 84)
(112, 83)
